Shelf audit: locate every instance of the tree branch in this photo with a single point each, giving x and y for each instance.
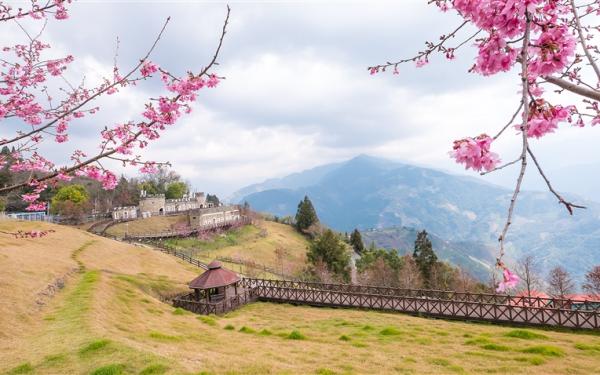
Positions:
(523, 158)
(568, 205)
(589, 93)
(582, 40)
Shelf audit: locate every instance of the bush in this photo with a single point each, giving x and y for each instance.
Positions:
(295, 335)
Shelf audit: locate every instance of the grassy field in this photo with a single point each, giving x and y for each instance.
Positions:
(147, 225)
(108, 319)
(257, 243)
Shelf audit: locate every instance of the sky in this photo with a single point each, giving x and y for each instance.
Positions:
(297, 92)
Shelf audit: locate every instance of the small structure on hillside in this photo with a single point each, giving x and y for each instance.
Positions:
(214, 216)
(216, 284)
(124, 213)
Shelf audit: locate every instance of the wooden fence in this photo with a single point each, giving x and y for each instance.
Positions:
(188, 302)
(183, 256)
(447, 304)
(186, 232)
(498, 308)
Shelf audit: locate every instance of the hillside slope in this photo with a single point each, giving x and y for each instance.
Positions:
(108, 320)
(258, 243)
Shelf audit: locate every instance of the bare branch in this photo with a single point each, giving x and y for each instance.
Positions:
(510, 122)
(568, 205)
(582, 40)
(589, 93)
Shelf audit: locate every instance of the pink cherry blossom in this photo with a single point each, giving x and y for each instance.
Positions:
(510, 281)
(475, 153)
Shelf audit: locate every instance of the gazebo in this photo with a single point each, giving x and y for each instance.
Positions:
(215, 284)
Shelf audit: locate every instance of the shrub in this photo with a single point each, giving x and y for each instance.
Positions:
(265, 332)
(179, 311)
(229, 327)
(295, 335)
(496, 347)
(24, 368)
(344, 338)
(154, 369)
(525, 335)
(389, 331)
(245, 329)
(546, 350)
(207, 320)
(94, 346)
(114, 369)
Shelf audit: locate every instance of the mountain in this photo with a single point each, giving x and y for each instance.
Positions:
(367, 192)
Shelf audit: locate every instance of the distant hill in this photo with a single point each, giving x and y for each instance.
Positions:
(367, 192)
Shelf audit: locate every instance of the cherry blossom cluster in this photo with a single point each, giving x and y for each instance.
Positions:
(475, 153)
(30, 234)
(544, 118)
(509, 281)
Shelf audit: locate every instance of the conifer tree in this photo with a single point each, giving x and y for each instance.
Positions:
(357, 242)
(424, 256)
(305, 215)
(329, 249)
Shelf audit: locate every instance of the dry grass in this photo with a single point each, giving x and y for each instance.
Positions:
(257, 244)
(108, 321)
(148, 225)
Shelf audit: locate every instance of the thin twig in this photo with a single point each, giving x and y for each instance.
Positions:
(582, 40)
(512, 119)
(568, 205)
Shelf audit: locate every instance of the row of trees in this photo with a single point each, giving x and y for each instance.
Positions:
(558, 282)
(330, 260)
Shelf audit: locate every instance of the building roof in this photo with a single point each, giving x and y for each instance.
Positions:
(534, 294)
(216, 276)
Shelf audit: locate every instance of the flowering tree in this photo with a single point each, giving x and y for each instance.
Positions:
(551, 41)
(41, 116)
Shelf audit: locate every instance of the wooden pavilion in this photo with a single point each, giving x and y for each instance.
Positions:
(215, 284)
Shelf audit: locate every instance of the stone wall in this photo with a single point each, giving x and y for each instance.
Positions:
(213, 216)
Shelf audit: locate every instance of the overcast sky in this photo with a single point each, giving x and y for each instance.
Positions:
(297, 93)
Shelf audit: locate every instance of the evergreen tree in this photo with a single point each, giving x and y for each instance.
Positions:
(305, 215)
(424, 256)
(213, 199)
(329, 249)
(357, 242)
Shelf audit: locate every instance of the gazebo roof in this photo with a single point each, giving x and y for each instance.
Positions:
(216, 276)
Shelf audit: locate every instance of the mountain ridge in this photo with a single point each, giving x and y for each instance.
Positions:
(367, 192)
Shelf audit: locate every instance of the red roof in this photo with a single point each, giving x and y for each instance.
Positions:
(583, 297)
(534, 294)
(216, 276)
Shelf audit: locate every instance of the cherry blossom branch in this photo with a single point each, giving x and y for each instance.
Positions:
(49, 5)
(568, 205)
(512, 119)
(582, 40)
(431, 48)
(525, 104)
(168, 113)
(92, 97)
(588, 93)
(502, 166)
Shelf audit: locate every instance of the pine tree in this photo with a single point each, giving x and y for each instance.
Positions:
(424, 256)
(329, 249)
(357, 242)
(305, 215)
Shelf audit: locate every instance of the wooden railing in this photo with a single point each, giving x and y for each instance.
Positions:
(189, 302)
(455, 305)
(183, 256)
(185, 232)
